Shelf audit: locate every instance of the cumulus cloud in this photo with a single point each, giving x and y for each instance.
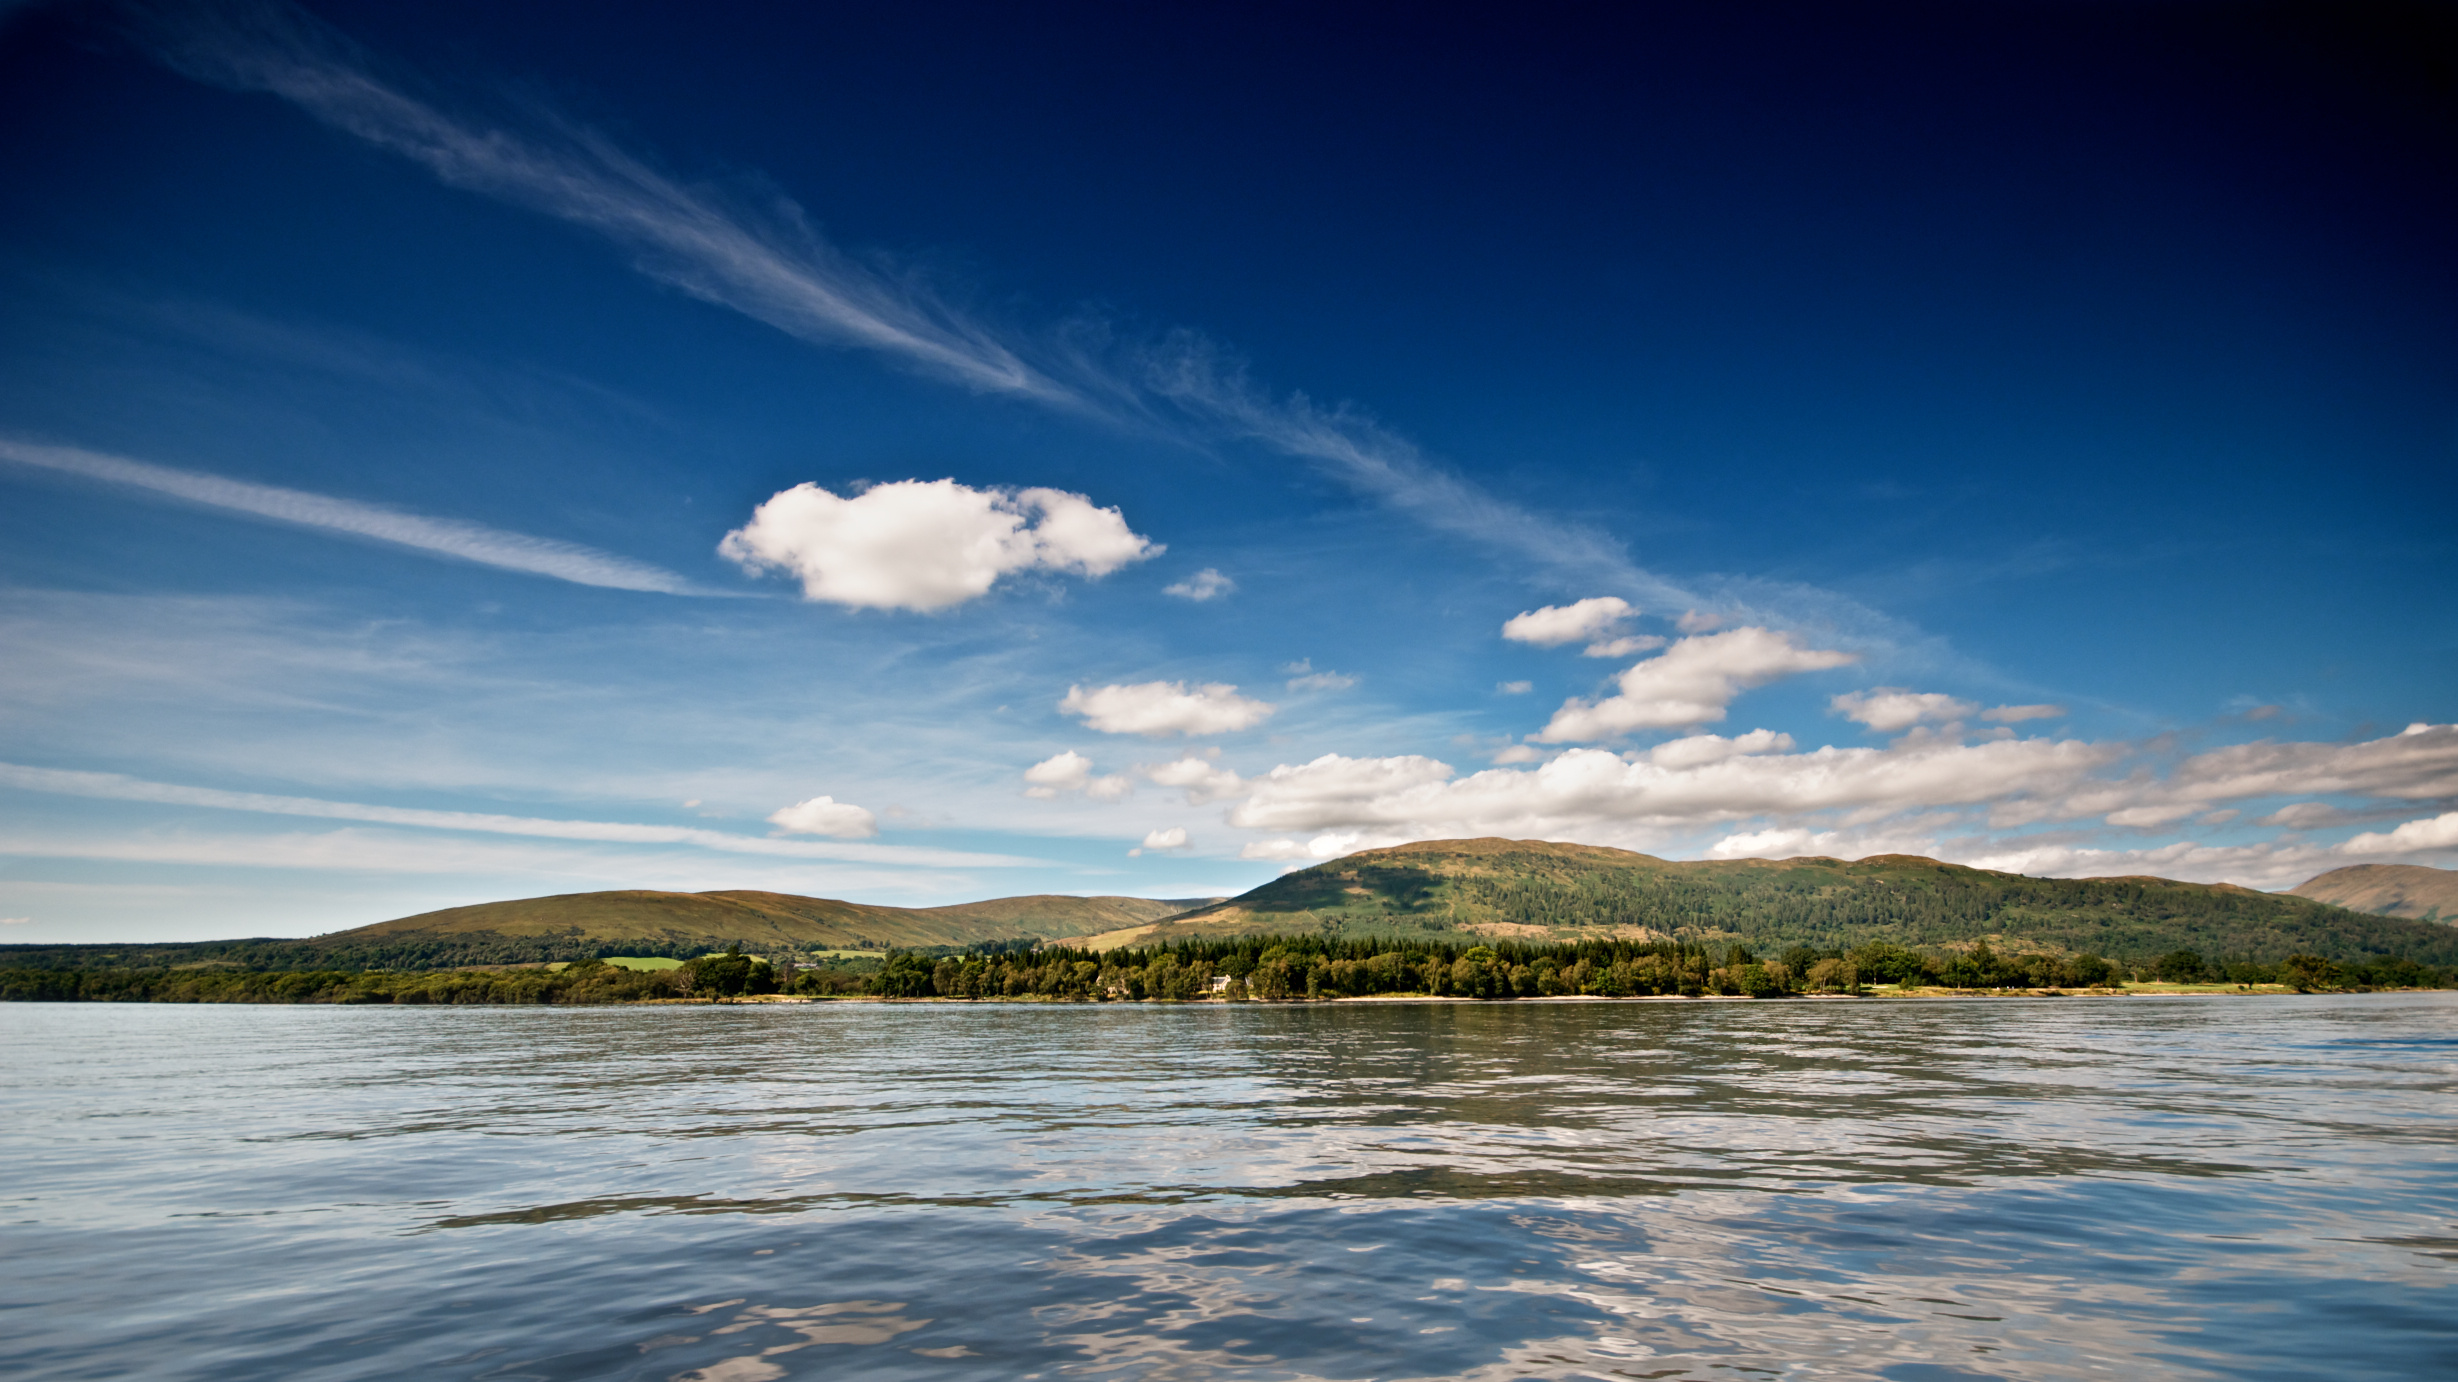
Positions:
(2414, 837)
(2420, 763)
(1174, 837)
(1162, 708)
(1911, 796)
(1694, 621)
(1207, 584)
(1072, 772)
(1330, 845)
(1687, 684)
(1555, 625)
(1890, 708)
(443, 537)
(1623, 647)
(1203, 779)
(927, 544)
(826, 816)
(2016, 714)
(1765, 844)
(1588, 791)
(1697, 750)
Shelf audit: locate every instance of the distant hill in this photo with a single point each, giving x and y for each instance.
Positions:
(1536, 890)
(759, 919)
(573, 925)
(1455, 889)
(2390, 890)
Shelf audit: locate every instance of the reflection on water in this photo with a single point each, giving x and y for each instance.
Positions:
(2000, 1188)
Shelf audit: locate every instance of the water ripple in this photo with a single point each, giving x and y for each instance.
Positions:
(2215, 1188)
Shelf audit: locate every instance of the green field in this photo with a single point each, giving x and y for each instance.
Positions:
(643, 962)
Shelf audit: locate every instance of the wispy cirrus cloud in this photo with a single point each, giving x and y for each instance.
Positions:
(560, 867)
(770, 265)
(446, 537)
(118, 787)
(772, 268)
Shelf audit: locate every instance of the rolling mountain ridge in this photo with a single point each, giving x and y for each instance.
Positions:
(1536, 890)
(2390, 890)
(1455, 890)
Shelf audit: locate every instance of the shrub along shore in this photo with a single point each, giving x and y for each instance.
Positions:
(1240, 969)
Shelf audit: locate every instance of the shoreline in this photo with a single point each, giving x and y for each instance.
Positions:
(1923, 995)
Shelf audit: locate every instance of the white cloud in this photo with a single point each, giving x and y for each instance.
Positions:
(1173, 837)
(445, 537)
(114, 786)
(2420, 763)
(1687, 684)
(1890, 708)
(1070, 771)
(1061, 772)
(1697, 750)
(2432, 833)
(2303, 815)
(1623, 647)
(1207, 584)
(2148, 816)
(1517, 753)
(1588, 792)
(1204, 780)
(1695, 622)
(928, 544)
(2016, 714)
(1322, 681)
(1907, 797)
(1162, 708)
(1513, 688)
(2256, 865)
(16, 921)
(1554, 625)
(826, 816)
(1765, 844)
(1330, 845)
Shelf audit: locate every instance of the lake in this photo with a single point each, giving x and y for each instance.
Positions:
(2075, 1188)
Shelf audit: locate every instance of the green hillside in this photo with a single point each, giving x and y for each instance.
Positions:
(1532, 890)
(576, 925)
(1447, 890)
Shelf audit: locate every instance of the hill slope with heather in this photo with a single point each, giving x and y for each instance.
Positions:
(2390, 890)
(1534, 890)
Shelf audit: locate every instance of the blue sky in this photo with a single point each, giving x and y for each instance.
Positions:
(450, 454)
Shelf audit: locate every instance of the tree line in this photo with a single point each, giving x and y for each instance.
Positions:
(1234, 969)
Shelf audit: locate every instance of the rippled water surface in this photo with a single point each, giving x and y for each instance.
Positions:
(2006, 1188)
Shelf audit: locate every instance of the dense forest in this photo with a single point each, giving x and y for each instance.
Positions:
(1235, 969)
